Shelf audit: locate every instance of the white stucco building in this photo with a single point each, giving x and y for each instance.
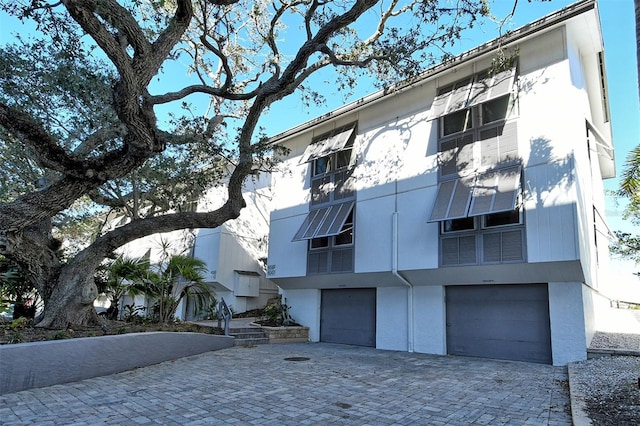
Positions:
(234, 252)
(460, 213)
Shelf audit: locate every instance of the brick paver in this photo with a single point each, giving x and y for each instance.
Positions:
(337, 384)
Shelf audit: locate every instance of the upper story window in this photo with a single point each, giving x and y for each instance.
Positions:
(475, 130)
(479, 172)
(330, 158)
(332, 162)
(329, 225)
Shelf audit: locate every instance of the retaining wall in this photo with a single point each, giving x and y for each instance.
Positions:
(33, 365)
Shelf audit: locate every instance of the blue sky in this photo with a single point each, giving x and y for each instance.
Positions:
(618, 26)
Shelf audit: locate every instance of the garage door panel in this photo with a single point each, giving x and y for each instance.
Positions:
(348, 316)
(498, 350)
(499, 321)
(499, 330)
(518, 310)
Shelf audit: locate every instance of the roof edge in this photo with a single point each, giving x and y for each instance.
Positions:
(514, 36)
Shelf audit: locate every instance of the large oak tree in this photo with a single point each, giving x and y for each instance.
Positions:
(80, 110)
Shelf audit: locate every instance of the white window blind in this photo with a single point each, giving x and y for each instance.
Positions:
(492, 192)
(451, 98)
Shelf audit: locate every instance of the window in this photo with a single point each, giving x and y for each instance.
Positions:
(456, 122)
(332, 254)
(479, 172)
(329, 225)
(495, 220)
(480, 220)
(456, 225)
(500, 239)
(494, 110)
(481, 130)
(332, 162)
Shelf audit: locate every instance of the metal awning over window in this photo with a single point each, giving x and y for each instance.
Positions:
(329, 143)
(491, 86)
(472, 91)
(452, 201)
(493, 192)
(451, 98)
(496, 191)
(324, 222)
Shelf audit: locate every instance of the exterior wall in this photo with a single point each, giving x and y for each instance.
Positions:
(391, 318)
(238, 245)
(429, 320)
(305, 309)
(286, 258)
(396, 151)
(207, 249)
(547, 136)
(567, 316)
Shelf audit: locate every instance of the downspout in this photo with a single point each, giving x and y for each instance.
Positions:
(394, 271)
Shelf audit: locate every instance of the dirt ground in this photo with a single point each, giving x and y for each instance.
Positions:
(12, 332)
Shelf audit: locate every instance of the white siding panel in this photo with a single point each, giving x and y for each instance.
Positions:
(542, 51)
(429, 325)
(567, 317)
(391, 318)
(395, 152)
(304, 307)
(415, 101)
(417, 239)
(373, 232)
(207, 249)
(286, 258)
(550, 215)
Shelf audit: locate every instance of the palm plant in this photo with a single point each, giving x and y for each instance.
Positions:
(124, 278)
(179, 277)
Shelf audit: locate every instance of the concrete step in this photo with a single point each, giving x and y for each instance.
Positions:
(249, 335)
(235, 330)
(246, 336)
(251, 342)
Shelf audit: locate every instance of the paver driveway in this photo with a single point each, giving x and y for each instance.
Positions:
(336, 384)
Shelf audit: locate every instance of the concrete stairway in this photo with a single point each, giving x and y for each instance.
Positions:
(248, 336)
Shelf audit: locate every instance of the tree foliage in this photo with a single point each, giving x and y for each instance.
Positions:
(83, 107)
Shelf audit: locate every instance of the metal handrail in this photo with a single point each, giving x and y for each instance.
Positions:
(224, 313)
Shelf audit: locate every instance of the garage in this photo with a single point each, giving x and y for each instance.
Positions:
(348, 316)
(499, 321)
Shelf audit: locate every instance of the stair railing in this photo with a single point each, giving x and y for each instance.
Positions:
(224, 313)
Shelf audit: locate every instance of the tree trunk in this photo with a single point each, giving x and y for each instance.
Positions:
(68, 290)
(71, 302)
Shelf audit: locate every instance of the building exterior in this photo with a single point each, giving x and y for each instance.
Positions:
(459, 213)
(234, 252)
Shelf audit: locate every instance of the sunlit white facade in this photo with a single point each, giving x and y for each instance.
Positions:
(461, 213)
(234, 253)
